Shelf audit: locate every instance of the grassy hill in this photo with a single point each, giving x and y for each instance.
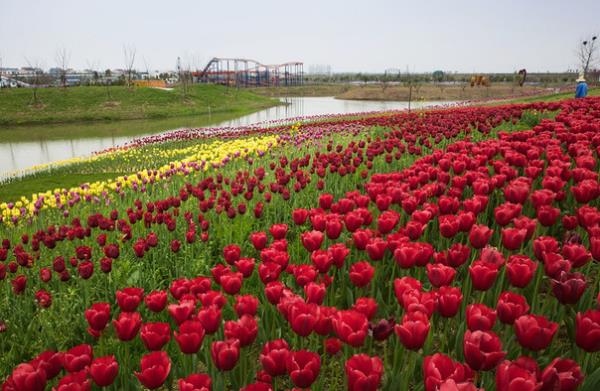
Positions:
(86, 104)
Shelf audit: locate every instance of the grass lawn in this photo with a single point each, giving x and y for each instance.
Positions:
(86, 104)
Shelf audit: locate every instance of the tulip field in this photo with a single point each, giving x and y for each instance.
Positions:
(452, 249)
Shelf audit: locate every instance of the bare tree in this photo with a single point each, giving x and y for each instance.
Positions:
(586, 53)
(129, 59)
(62, 58)
(35, 79)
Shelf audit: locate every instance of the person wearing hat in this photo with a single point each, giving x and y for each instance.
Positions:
(582, 87)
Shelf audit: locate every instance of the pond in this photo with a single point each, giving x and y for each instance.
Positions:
(48, 143)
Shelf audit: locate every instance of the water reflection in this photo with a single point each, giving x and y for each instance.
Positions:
(60, 142)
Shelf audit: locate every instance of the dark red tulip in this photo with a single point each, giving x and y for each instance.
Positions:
(568, 287)
(587, 330)
(43, 298)
(315, 293)
(232, 282)
(154, 369)
(273, 357)
(482, 350)
(19, 283)
(534, 332)
(104, 370)
(127, 325)
(363, 372)
(195, 382)
(382, 329)
(225, 354)
(511, 306)
(155, 335)
(303, 367)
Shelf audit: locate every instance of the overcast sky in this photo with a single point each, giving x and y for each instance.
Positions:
(349, 35)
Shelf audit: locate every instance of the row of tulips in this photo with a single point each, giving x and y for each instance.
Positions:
(440, 200)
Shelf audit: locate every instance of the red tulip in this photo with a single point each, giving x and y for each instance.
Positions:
(189, 336)
(231, 282)
(50, 361)
(510, 307)
(364, 373)
(182, 311)
(521, 374)
(43, 298)
(513, 238)
(482, 350)
(338, 253)
(303, 367)
(155, 368)
(351, 327)
(156, 301)
(312, 240)
(299, 216)
(155, 335)
(104, 371)
(449, 301)
(479, 236)
(98, 316)
(382, 329)
(77, 358)
(246, 304)
(225, 354)
(333, 346)
(278, 231)
(534, 332)
(483, 275)
(74, 381)
(413, 330)
(322, 260)
(127, 325)
(587, 330)
(245, 330)
(195, 382)
(274, 356)
(210, 317)
(25, 377)
(520, 270)
(315, 293)
(480, 317)
(231, 253)
(259, 240)
(361, 273)
(128, 299)
(439, 274)
(438, 368)
(303, 317)
(561, 374)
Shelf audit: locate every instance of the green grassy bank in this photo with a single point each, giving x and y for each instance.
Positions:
(88, 104)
